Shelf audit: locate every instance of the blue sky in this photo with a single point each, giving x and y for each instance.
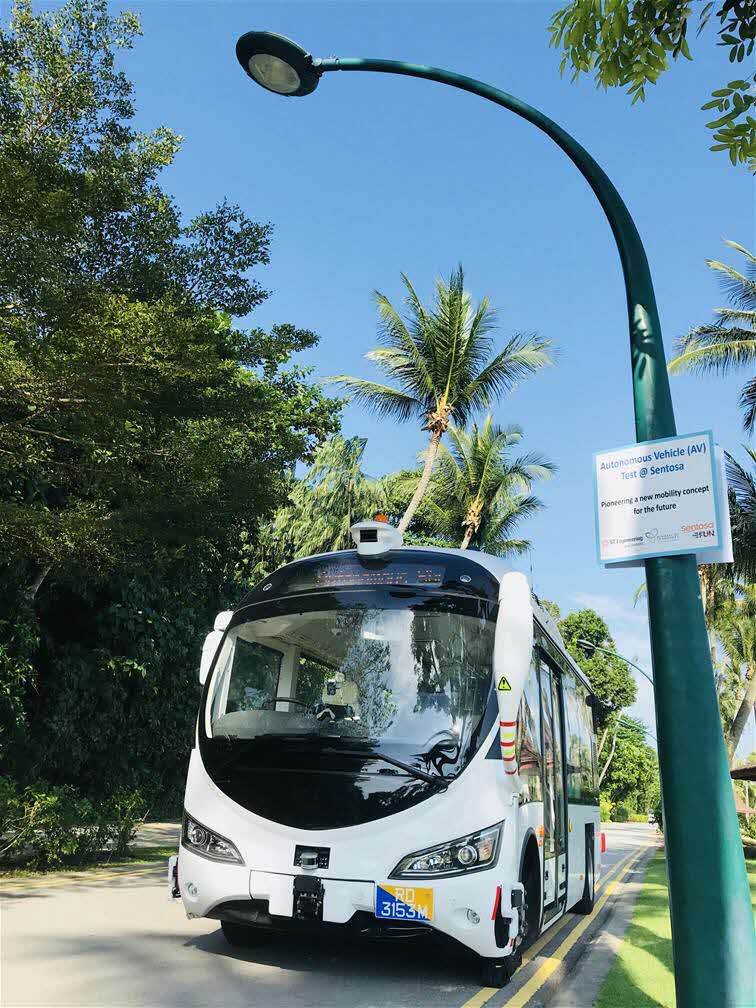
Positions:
(373, 175)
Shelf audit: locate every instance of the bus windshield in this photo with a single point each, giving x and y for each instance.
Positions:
(407, 674)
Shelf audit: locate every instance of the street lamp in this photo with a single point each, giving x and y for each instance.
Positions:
(597, 647)
(712, 924)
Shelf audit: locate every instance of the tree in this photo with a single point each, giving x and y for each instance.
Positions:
(440, 357)
(141, 431)
(729, 343)
(609, 677)
(479, 493)
(742, 492)
(632, 776)
(628, 45)
(320, 508)
(737, 632)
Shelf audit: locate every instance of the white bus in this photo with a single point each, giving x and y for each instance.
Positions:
(391, 739)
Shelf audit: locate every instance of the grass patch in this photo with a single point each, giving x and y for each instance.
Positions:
(641, 975)
(137, 855)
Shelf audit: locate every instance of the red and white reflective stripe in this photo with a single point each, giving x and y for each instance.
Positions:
(507, 742)
(497, 903)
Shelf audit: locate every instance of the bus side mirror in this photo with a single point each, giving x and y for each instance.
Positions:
(212, 642)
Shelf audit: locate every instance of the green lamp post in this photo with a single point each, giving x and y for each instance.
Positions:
(712, 923)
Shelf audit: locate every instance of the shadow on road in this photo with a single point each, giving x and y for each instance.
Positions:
(409, 959)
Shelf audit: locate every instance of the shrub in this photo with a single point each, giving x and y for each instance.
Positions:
(47, 826)
(123, 815)
(638, 817)
(620, 813)
(57, 827)
(606, 807)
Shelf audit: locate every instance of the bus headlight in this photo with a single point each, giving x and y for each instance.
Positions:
(474, 852)
(207, 843)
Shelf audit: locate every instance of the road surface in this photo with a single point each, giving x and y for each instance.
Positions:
(114, 940)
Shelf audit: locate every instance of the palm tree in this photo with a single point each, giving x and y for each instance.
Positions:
(333, 494)
(737, 632)
(742, 487)
(320, 508)
(441, 359)
(729, 343)
(478, 493)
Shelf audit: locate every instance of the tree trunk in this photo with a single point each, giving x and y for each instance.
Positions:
(603, 740)
(467, 537)
(610, 757)
(735, 731)
(422, 486)
(31, 591)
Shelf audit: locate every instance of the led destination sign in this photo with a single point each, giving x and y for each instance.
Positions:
(332, 575)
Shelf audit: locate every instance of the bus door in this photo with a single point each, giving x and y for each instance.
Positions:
(554, 807)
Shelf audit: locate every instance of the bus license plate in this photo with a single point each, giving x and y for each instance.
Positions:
(403, 903)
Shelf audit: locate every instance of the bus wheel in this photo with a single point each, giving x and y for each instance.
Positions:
(498, 972)
(585, 906)
(531, 916)
(241, 935)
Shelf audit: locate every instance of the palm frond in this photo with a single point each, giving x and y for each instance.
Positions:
(747, 403)
(742, 498)
(715, 349)
(522, 356)
(396, 334)
(737, 315)
(382, 400)
(741, 290)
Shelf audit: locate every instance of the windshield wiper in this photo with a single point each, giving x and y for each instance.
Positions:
(413, 771)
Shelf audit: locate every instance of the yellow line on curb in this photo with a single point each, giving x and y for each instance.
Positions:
(549, 965)
(486, 993)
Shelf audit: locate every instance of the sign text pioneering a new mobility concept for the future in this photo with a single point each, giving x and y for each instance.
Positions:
(658, 498)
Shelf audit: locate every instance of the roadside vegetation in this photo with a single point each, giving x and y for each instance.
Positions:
(641, 975)
(160, 453)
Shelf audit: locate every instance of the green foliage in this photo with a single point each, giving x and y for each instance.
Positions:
(320, 508)
(441, 358)
(630, 44)
(552, 609)
(633, 771)
(609, 676)
(478, 493)
(742, 492)
(142, 432)
(46, 826)
(605, 808)
(655, 803)
(729, 343)
(620, 813)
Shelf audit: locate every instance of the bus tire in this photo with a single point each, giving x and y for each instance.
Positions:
(498, 972)
(585, 906)
(242, 935)
(531, 881)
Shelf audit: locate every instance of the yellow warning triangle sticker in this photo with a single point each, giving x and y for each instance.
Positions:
(504, 684)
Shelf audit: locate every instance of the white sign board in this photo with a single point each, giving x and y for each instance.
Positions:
(658, 498)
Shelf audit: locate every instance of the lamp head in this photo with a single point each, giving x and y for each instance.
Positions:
(277, 64)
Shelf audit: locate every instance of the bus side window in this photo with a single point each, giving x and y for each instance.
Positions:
(529, 739)
(587, 747)
(574, 739)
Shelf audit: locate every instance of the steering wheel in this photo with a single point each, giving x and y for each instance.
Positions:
(272, 701)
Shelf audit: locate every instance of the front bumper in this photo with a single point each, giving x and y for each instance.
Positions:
(468, 908)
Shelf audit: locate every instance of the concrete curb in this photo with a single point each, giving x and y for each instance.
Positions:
(578, 979)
